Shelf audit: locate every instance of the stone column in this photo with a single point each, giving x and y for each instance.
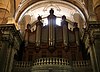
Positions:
(94, 45)
(95, 52)
(10, 59)
(92, 15)
(10, 43)
(8, 56)
(93, 59)
(96, 6)
(4, 11)
(3, 56)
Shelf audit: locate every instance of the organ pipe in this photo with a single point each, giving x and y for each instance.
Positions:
(76, 32)
(64, 24)
(39, 25)
(51, 23)
(27, 34)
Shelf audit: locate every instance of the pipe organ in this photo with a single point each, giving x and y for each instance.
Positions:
(52, 40)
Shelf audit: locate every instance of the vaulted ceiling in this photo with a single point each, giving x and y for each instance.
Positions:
(71, 9)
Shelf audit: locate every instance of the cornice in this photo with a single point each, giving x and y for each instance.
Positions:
(9, 32)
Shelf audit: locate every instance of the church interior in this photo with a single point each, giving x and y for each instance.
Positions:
(49, 35)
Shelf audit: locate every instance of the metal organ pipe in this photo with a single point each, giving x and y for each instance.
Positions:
(64, 24)
(27, 34)
(39, 25)
(51, 23)
(76, 32)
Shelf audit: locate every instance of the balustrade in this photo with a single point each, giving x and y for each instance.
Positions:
(81, 63)
(45, 61)
(22, 64)
(52, 61)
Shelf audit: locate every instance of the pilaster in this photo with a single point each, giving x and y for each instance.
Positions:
(11, 40)
(93, 44)
(4, 10)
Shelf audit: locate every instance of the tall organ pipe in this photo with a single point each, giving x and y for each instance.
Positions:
(64, 24)
(27, 34)
(51, 23)
(76, 32)
(39, 25)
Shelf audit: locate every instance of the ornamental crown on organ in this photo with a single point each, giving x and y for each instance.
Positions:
(52, 40)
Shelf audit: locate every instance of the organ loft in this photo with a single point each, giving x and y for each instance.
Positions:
(49, 35)
(52, 40)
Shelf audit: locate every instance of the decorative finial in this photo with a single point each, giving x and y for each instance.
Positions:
(63, 17)
(51, 11)
(39, 18)
(75, 24)
(28, 26)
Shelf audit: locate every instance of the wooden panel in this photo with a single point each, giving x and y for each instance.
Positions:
(32, 37)
(44, 38)
(71, 36)
(58, 34)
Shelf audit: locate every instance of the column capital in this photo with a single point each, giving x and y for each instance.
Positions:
(10, 34)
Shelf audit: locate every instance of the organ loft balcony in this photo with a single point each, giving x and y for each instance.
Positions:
(54, 64)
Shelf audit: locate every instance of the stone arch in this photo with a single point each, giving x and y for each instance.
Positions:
(28, 4)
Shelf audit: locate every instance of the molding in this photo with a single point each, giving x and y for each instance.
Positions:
(27, 4)
(9, 33)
